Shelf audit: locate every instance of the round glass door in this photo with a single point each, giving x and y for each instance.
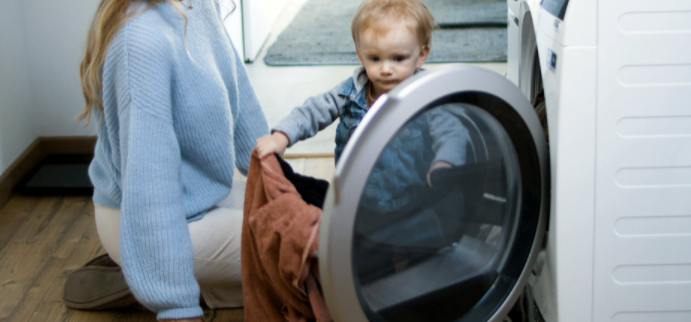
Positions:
(437, 216)
(436, 209)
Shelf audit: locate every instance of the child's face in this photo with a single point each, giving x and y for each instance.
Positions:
(391, 57)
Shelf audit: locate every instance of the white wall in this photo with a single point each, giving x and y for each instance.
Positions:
(233, 24)
(18, 126)
(56, 36)
(41, 44)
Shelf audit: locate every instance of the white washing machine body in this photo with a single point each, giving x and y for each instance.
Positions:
(616, 78)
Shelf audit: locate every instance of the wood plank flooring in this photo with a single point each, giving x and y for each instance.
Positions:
(44, 238)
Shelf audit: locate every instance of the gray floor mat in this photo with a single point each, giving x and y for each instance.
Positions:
(472, 31)
(468, 12)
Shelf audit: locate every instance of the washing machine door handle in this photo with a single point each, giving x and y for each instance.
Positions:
(438, 203)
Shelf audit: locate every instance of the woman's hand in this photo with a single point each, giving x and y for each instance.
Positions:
(274, 143)
(435, 166)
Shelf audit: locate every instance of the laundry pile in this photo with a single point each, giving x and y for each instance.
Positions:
(280, 229)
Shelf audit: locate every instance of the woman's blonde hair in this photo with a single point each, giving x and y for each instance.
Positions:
(110, 16)
(375, 14)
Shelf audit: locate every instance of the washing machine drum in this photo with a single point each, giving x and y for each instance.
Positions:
(436, 207)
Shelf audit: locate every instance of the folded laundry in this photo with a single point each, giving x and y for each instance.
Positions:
(279, 237)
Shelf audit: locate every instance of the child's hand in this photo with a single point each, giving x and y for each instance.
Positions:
(435, 166)
(274, 143)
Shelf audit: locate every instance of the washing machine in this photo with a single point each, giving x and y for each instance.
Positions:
(458, 245)
(553, 60)
(612, 78)
(571, 199)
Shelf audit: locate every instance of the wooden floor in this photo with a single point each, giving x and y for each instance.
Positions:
(42, 239)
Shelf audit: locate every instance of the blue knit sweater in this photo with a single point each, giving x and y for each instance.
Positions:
(180, 114)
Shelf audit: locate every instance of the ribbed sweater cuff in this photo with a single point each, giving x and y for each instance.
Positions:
(181, 313)
(101, 199)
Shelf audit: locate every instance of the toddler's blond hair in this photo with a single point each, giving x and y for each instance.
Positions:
(376, 14)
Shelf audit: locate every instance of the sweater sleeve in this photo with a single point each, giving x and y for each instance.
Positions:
(250, 121)
(314, 115)
(155, 244)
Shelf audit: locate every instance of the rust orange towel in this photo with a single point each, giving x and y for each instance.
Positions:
(279, 237)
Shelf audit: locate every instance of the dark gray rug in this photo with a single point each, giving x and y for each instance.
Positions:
(471, 31)
(452, 13)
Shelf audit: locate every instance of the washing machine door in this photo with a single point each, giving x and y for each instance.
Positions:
(438, 203)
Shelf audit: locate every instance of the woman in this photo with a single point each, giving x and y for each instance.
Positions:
(176, 114)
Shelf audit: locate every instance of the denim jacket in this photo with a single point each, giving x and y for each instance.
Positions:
(345, 101)
(430, 137)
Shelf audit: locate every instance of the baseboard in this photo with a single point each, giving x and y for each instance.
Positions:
(308, 155)
(68, 144)
(35, 153)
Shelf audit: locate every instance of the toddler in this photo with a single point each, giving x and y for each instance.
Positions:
(398, 212)
(392, 40)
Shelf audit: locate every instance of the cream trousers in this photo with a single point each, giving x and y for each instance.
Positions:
(215, 242)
